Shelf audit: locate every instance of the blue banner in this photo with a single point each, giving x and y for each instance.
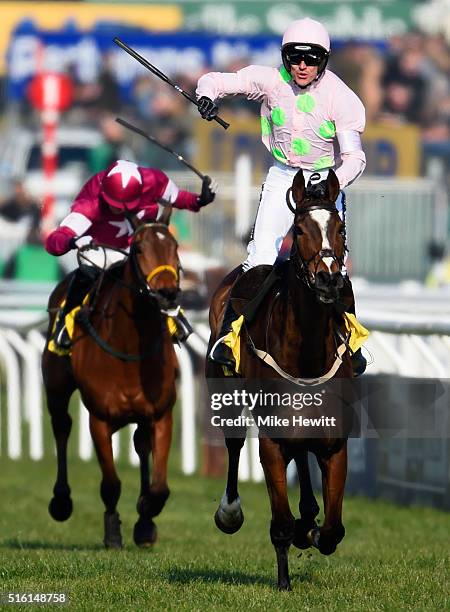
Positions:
(83, 54)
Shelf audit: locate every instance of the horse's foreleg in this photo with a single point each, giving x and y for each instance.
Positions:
(308, 505)
(60, 506)
(282, 526)
(334, 472)
(101, 433)
(153, 496)
(161, 441)
(229, 516)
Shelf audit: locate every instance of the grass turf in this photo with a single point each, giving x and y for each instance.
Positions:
(392, 558)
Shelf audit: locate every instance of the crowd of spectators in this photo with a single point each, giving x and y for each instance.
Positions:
(406, 82)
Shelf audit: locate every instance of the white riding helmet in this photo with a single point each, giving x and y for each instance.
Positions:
(306, 35)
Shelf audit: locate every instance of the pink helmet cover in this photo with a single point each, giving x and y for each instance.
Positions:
(122, 185)
(307, 31)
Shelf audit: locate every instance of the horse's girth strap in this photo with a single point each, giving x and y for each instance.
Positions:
(302, 382)
(159, 269)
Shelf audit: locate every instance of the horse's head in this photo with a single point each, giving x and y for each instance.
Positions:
(318, 249)
(155, 253)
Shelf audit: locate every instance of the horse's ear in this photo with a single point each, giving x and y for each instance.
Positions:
(164, 217)
(298, 187)
(333, 186)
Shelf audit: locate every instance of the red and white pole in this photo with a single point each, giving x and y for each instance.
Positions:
(50, 93)
(50, 119)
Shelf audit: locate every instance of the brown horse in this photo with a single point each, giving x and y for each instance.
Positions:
(124, 364)
(296, 324)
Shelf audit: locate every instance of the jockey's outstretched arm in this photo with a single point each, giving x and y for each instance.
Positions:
(254, 82)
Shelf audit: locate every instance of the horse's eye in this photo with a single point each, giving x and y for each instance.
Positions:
(297, 230)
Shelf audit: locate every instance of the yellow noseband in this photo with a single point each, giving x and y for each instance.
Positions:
(160, 269)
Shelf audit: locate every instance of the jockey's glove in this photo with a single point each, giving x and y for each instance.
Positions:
(82, 242)
(207, 108)
(209, 190)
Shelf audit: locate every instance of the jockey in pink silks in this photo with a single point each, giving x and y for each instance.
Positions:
(100, 215)
(305, 110)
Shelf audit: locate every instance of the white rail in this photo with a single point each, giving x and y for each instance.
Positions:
(401, 343)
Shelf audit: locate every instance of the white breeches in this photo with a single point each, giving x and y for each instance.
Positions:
(101, 257)
(274, 218)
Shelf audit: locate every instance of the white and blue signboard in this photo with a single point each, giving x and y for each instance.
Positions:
(83, 53)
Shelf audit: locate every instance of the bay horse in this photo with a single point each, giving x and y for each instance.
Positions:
(296, 323)
(124, 365)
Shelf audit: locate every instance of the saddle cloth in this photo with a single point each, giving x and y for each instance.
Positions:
(70, 326)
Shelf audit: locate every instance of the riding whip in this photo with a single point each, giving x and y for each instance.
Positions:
(180, 158)
(162, 76)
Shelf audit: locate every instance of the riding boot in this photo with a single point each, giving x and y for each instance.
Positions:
(347, 304)
(220, 352)
(79, 285)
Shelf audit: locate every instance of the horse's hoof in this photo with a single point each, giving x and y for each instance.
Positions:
(145, 533)
(284, 586)
(302, 528)
(60, 508)
(113, 536)
(327, 548)
(151, 504)
(313, 537)
(229, 527)
(327, 541)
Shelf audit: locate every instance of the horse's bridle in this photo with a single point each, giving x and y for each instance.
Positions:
(145, 287)
(301, 265)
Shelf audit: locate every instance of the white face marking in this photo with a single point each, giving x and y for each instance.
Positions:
(322, 217)
(160, 235)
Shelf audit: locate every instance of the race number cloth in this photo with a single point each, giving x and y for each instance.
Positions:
(358, 333)
(298, 125)
(70, 324)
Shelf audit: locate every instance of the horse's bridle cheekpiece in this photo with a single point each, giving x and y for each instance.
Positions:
(303, 272)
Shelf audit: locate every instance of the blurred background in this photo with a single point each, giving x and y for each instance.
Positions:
(395, 54)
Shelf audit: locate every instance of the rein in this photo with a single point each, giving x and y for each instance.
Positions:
(83, 319)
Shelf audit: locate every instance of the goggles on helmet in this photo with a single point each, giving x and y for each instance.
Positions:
(312, 55)
(309, 57)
